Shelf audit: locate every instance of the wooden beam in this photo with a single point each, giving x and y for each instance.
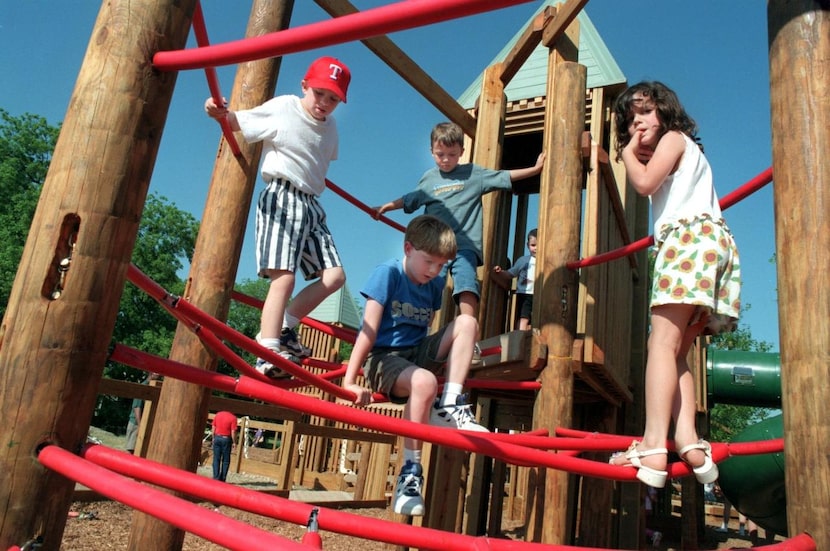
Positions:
(527, 42)
(555, 28)
(560, 205)
(411, 72)
(608, 178)
(487, 152)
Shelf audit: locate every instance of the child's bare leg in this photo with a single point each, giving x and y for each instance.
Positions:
(668, 326)
(468, 303)
(331, 279)
(524, 324)
(421, 386)
(684, 408)
(282, 285)
(457, 346)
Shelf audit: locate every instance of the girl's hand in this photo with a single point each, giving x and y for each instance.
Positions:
(641, 152)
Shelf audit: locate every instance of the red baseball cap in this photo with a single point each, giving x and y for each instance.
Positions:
(329, 74)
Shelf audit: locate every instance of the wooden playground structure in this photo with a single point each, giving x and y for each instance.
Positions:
(587, 348)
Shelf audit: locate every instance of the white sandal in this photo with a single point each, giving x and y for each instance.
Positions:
(646, 475)
(708, 471)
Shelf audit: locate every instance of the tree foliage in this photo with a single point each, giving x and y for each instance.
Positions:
(244, 319)
(165, 241)
(26, 145)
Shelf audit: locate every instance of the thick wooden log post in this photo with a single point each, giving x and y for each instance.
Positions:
(487, 152)
(183, 408)
(560, 205)
(799, 38)
(58, 323)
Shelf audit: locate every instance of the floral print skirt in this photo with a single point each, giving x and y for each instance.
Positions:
(697, 263)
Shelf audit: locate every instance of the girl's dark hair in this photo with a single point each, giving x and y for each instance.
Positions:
(669, 110)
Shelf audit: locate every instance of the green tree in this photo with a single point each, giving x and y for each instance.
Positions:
(245, 319)
(26, 145)
(165, 241)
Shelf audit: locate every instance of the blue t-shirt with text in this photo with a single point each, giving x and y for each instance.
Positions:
(407, 306)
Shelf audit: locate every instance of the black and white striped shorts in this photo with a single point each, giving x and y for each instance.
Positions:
(291, 232)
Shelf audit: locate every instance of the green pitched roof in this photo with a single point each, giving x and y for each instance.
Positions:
(531, 80)
(339, 307)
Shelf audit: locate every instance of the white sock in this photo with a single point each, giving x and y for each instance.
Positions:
(413, 456)
(290, 321)
(451, 393)
(273, 344)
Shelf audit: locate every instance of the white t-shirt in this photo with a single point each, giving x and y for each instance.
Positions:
(686, 194)
(296, 146)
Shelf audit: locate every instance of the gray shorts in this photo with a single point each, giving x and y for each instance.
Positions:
(384, 365)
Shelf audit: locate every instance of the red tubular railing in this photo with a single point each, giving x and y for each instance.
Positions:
(200, 32)
(214, 527)
(357, 26)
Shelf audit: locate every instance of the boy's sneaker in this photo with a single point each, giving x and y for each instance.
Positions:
(459, 416)
(290, 342)
(273, 372)
(408, 500)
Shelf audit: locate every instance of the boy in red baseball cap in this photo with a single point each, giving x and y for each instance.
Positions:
(299, 136)
(329, 74)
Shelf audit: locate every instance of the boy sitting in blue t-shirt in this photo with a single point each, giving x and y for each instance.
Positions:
(398, 357)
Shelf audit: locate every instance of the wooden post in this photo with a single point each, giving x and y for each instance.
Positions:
(560, 204)
(183, 407)
(488, 152)
(57, 328)
(496, 205)
(799, 38)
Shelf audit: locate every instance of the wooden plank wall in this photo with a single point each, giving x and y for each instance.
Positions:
(607, 289)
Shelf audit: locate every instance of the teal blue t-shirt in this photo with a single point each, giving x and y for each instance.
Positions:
(455, 198)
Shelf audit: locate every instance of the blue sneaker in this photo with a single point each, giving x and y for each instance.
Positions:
(408, 500)
(290, 342)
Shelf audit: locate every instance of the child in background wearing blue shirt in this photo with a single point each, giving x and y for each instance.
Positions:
(524, 271)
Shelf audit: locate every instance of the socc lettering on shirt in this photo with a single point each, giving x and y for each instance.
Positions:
(410, 312)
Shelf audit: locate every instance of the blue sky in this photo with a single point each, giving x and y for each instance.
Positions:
(714, 54)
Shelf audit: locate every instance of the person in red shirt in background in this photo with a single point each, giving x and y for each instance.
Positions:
(224, 438)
